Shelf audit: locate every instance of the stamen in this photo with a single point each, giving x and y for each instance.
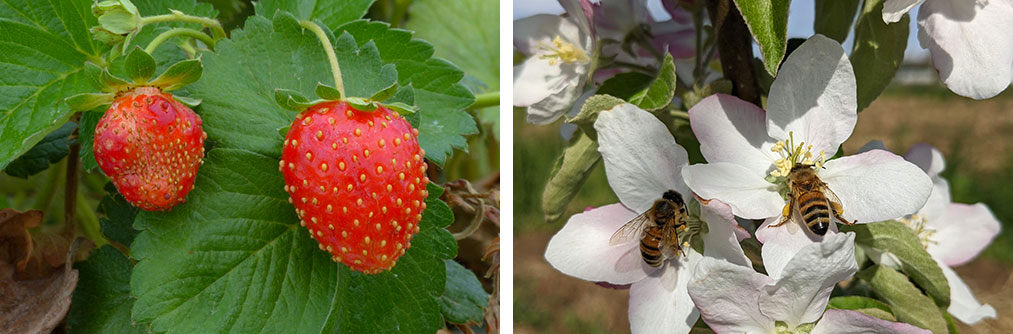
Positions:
(563, 51)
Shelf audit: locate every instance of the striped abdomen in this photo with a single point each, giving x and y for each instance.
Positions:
(650, 246)
(815, 212)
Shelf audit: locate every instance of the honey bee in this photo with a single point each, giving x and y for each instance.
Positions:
(812, 202)
(656, 229)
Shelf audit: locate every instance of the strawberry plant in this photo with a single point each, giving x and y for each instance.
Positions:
(273, 168)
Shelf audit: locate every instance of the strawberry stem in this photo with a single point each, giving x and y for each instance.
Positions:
(329, 50)
(179, 32)
(485, 100)
(216, 27)
(70, 191)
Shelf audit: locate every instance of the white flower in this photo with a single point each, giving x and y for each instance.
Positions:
(735, 299)
(810, 112)
(953, 233)
(559, 51)
(971, 41)
(642, 161)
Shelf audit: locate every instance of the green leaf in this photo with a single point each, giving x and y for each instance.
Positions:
(327, 92)
(768, 22)
(49, 151)
(86, 135)
(167, 53)
(592, 107)
(102, 301)
(464, 300)
(139, 66)
(362, 70)
(438, 92)
(331, 13)
(469, 38)
(865, 305)
(907, 302)
(896, 238)
(118, 222)
(386, 93)
(624, 85)
(179, 74)
(879, 50)
(569, 174)
(89, 101)
(233, 258)
(291, 100)
(661, 91)
(834, 18)
(45, 48)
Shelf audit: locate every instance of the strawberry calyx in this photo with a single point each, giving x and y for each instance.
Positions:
(139, 66)
(295, 101)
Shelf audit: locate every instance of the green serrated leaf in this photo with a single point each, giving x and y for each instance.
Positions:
(897, 239)
(834, 18)
(139, 66)
(572, 169)
(907, 302)
(327, 92)
(865, 305)
(438, 92)
(361, 104)
(879, 50)
(768, 22)
(291, 100)
(331, 13)
(89, 101)
(625, 85)
(44, 54)
(361, 65)
(385, 93)
(469, 39)
(661, 91)
(102, 302)
(86, 136)
(234, 258)
(49, 151)
(592, 107)
(118, 221)
(179, 74)
(464, 300)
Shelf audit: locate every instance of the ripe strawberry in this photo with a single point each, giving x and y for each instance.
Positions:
(357, 181)
(150, 145)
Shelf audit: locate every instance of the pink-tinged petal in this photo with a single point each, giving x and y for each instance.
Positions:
(938, 202)
(582, 12)
(963, 305)
(732, 130)
(876, 185)
(581, 248)
(962, 232)
(814, 97)
(660, 303)
(750, 196)
(781, 243)
(971, 43)
(801, 294)
(727, 296)
(642, 159)
(849, 322)
(926, 157)
(893, 10)
(535, 80)
(721, 240)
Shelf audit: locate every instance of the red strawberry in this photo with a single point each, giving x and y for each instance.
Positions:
(357, 181)
(150, 145)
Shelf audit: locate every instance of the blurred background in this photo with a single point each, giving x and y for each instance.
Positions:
(976, 138)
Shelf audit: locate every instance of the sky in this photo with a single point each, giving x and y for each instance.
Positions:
(800, 21)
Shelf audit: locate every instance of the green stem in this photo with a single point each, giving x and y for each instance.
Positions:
(485, 100)
(329, 50)
(45, 196)
(398, 14)
(188, 48)
(680, 114)
(89, 222)
(177, 16)
(178, 32)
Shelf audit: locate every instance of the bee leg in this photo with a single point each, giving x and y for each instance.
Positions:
(838, 211)
(785, 213)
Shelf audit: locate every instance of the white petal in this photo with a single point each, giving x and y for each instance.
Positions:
(534, 31)
(581, 248)
(535, 80)
(733, 130)
(781, 243)
(963, 305)
(926, 157)
(750, 196)
(556, 105)
(876, 185)
(814, 97)
(721, 240)
(802, 292)
(660, 303)
(727, 296)
(642, 160)
(937, 204)
(893, 10)
(962, 232)
(848, 322)
(971, 44)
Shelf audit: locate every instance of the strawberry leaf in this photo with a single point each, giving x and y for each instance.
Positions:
(331, 13)
(102, 299)
(464, 299)
(234, 258)
(362, 71)
(51, 149)
(86, 135)
(118, 223)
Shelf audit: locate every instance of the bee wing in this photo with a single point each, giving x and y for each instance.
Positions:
(796, 211)
(832, 198)
(670, 240)
(631, 231)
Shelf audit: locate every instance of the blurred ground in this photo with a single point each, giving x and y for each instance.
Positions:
(976, 138)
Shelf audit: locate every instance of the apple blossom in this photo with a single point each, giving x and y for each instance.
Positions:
(733, 298)
(642, 160)
(811, 110)
(560, 53)
(971, 42)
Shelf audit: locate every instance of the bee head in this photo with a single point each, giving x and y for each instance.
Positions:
(673, 196)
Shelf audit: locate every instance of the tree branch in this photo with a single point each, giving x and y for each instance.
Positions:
(735, 48)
